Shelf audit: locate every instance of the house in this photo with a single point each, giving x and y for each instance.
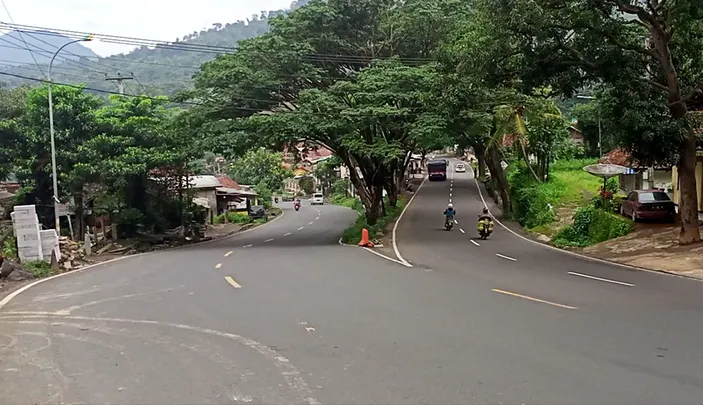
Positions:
(575, 134)
(205, 188)
(638, 176)
(234, 197)
(699, 176)
(302, 160)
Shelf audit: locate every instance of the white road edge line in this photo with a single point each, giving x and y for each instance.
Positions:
(461, 230)
(512, 259)
(600, 279)
(584, 257)
(395, 226)
(377, 254)
(474, 242)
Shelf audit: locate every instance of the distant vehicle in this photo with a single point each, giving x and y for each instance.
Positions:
(288, 197)
(437, 170)
(257, 212)
(317, 198)
(648, 204)
(460, 168)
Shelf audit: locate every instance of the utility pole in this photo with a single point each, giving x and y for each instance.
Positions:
(120, 80)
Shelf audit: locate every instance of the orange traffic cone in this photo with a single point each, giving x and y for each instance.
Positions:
(365, 242)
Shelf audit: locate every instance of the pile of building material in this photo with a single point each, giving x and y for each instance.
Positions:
(33, 243)
(72, 254)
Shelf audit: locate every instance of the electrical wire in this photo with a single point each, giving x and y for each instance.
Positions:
(46, 52)
(23, 40)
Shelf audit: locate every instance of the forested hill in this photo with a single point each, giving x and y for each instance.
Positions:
(160, 70)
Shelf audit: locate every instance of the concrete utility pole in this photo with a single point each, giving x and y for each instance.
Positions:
(120, 81)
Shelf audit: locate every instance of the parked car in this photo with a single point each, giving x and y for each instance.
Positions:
(460, 168)
(648, 204)
(257, 212)
(317, 198)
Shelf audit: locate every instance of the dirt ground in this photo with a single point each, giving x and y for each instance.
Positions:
(654, 247)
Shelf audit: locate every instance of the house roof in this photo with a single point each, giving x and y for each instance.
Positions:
(228, 182)
(204, 182)
(619, 157)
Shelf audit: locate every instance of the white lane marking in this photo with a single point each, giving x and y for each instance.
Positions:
(461, 230)
(450, 194)
(248, 246)
(318, 217)
(228, 253)
(395, 226)
(310, 223)
(506, 257)
(286, 234)
(233, 283)
(268, 240)
(456, 222)
(450, 200)
(301, 228)
(600, 279)
(474, 242)
(291, 375)
(556, 249)
(218, 265)
(388, 258)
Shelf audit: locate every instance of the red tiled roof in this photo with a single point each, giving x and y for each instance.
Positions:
(227, 182)
(10, 187)
(618, 157)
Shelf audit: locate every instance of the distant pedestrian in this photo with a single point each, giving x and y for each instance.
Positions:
(475, 172)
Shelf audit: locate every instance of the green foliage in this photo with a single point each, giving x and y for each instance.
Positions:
(260, 167)
(265, 195)
(9, 247)
(591, 226)
(349, 202)
(307, 184)
(341, 187)
(353, 233)
(38, 268)
(240, 218)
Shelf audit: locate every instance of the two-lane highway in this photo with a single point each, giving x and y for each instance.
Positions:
(285, 315)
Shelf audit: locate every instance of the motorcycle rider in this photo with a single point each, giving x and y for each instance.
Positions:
(449, 213)
(485, 215)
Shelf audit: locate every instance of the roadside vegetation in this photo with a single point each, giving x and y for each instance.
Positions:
(352, 234)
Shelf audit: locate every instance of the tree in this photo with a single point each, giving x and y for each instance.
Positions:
(260, 166)
(656, 47)
(307, 184)
(326, 172)
(75, 123)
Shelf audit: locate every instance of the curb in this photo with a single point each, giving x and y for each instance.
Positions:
(582, 256)
(9, 297)
(376, 253)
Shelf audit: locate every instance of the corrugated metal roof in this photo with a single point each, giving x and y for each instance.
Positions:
(204, 182)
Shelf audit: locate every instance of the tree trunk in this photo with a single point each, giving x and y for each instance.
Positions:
(80, 216)
(493, 160)
(688, 201)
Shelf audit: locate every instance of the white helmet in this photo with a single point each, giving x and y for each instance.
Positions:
(450, 205)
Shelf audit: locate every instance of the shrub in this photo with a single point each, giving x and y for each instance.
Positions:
(340, 187)
(353, 233)
(9, 247)
(592, 225)
(38, 268)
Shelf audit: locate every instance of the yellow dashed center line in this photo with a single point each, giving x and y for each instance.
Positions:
(533, 299)
(233, 283)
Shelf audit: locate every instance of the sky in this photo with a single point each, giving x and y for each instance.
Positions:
(151, 19)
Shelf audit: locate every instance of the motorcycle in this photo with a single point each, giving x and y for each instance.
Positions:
(449, 224)
(485, 228)
(296, 205)
(275, 199)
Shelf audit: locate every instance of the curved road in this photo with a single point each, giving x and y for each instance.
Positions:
(285, 315)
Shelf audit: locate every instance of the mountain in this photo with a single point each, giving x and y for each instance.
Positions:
(14, 50)
(156, 71)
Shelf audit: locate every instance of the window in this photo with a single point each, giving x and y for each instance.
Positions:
(653, 196)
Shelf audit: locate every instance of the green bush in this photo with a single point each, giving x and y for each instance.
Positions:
(353, 233)
(240, 218)
(340, 187)
(531, 200)
(592, 225)
(349, 202)
(39, 268)
(9, 247)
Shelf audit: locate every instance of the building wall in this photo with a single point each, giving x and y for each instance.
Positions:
(211, 196)
(699, 183)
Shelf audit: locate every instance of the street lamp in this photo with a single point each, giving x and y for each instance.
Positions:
(54, 174)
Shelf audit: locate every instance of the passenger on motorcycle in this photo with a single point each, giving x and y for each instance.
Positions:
(485, 215)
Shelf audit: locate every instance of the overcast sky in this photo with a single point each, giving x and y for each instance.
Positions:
(150, 19)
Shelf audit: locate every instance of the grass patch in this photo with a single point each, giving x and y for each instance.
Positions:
(38, 268)
(241, 218)
(353, 233)
(592, 225)
(344, 201)
(535, 204)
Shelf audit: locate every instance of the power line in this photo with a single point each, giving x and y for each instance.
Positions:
(25, 42)
(192, 47)
(46, 52)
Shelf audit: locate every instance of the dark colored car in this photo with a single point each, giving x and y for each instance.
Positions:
(257, 212)
(648, 204)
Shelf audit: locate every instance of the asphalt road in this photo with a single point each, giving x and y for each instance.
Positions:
(283, 314)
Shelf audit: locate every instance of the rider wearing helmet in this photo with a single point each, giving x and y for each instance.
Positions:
(450, 213)
(485, 215)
